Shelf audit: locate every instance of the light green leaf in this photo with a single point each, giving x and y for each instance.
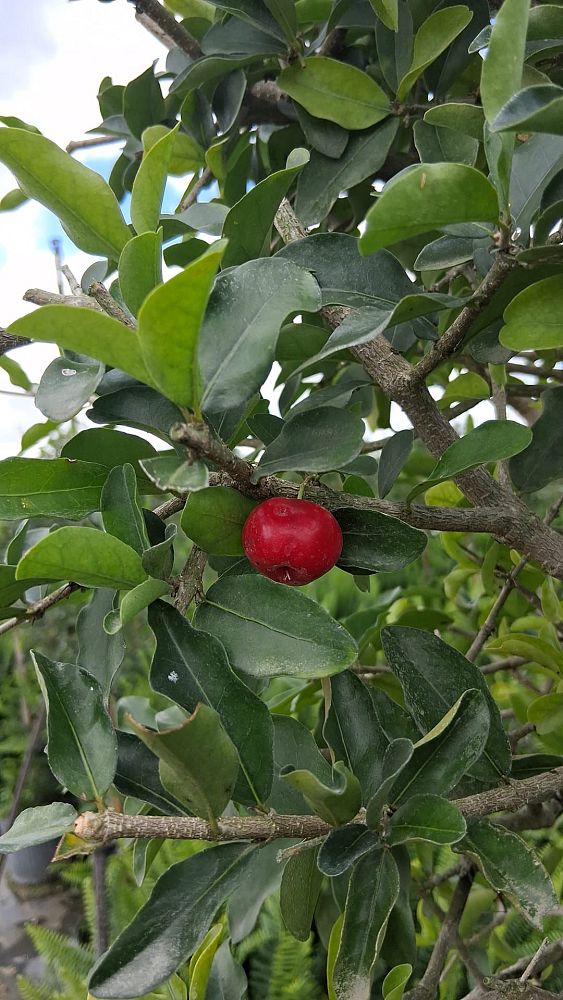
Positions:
(465, 118)
(336, 91)
(433, 36)
(85, 556)
(86, 332)
(388, 12)
(534, 318)
(169, 323)
(214, 517)
(136, 600)
(150, 181)
(395, 982)
(37, 826)
(200, 964)
(491, 441)
(313, 441)
(56, 487)
(15, 372)
(501, 74)
(533, 649)
(427, 197)
(426, 817)
(140, 269)
(85, 204)
(336, 801)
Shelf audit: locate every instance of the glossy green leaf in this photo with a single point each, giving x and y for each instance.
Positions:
(501, 74)
(169, 323)
(542, 461)
(353, 733)
(269, 629)
(85, 556)
(465, 118)
(397, 757)
(447, 751)
(395, 982)
(426, 817)
(261, 879)
(393, 456)
(109, 448)
(434, 676)
(510, 867)
(86, 332)
(143, 104)
(31, 487)
(238, 337)
(527, 765)
(434, 35)
(81, 745)
(491, 441)
(314, 441)
(200, 964)
(171, 473)
(119, 505)
(377, 543)
(372, 893)
(535, 109)
(336, 801)
(336, 91)
(248, 226)
(299, 892)
(65, 386)
(148, 187)
(235, 37)
(37, 826)
(85, 204)
(207, 69)
(428, 197)
(99, 653)
(140, 269)
(324, 177)
(191, 667)
(198, 761)
(533, 317)
(137, 406)
(344, 846)
(214, 517)
(170, 926)
(137, 775)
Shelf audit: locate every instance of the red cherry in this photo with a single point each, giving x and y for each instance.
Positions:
(291, 541)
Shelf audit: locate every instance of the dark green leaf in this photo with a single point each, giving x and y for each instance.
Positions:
(510, 867)
(299, 892)
(528, 764)
(37, 826)
(343, 847)
(99, 653)
(377, 543)
(137, 775)
(137, 406)
(170, 926)
(336, 91)
(394, 454)
(227, 980)
(191, 667)
(294, 747)
(536, 162)
(143, 104)
(84, 555)
(119, 505)
(314, 441)
(535, 109)
(542, 461)
(110, 448)
(443, 145)
(325, 137)
(81, 746)
(397, 757)
(31, 487)
(261, 878)
(140, 269)
(65, 386)
(353, 732)
(214, 517)
(269, 629)
(233, 37)
(427, 817)
(336, 799)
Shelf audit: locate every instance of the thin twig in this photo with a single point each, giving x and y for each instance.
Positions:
(56, 248)
(73, 283)
(191, 196)
(99, 859)
(428, 985)
(95, 140)
(38, 609)
(99, 292)
(534, 961)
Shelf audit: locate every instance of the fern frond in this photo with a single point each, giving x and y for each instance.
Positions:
(60, 952)
(33, 991)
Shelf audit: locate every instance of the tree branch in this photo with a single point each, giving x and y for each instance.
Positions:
(8, 343)
(428, 985)
(189, 584)
(167, 25)
(38, 609)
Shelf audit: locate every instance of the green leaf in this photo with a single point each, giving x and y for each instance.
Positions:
(336, 91)
(198, 762)
(86, 332)
(426, 817)
(353, 733)
(37, 826)
(285, 15)
(269, 629)
(143, 104)
(81, 745)
(433, 36)
(57, 487)
(388, 12)
(372, 893)
(171, 473)
(200, 964)
(428, 197)
(377, 543)
(248, 226)
(140, 269)
(119, 505)
(148, 187)
(65, 386)
(336, 801)
(546, 713)
(448, 751)
(294, 747)
(227, 980)
(542, 461)
(465, 118)
(171, 925)
(99, 653)
(535, 109)
(240, 330)
(136, 600)
(326, 137)
(85, 556)
(261, 879)
(396, 759)
(138, 775)
(314, 441)
(532, 648)
(443, 145)
(299, 892)
(533, 317)
(214, 517)
(510, 867)
(85, 204)
(491, 441)
(190, 667)
(15, 372)
(187, 154)
(13, 199)
(110, 448)
(344, 846)
(433, 676)
(469, 385)
(501, 74)
(535, 163)
(395, 982)
(169, 324)
(137, 406)
(393, 456)
(324, 177)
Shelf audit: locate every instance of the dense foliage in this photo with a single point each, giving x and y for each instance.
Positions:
(372, 220)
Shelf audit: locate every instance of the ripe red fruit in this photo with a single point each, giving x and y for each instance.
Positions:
(291, 541)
